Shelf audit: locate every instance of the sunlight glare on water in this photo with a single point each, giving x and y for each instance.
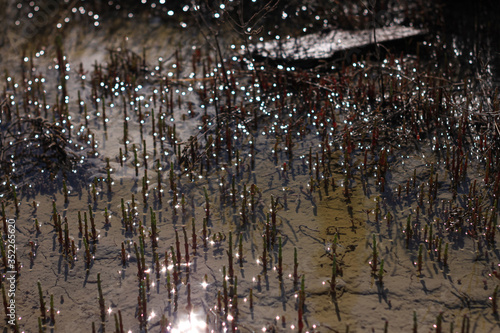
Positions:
(191, 324)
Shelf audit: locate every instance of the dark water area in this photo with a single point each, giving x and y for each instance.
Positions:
(474, 28)
(469, 30)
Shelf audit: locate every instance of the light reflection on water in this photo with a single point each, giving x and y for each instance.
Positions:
(191, 324)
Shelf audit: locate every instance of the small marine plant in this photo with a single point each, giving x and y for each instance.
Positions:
(374, 261)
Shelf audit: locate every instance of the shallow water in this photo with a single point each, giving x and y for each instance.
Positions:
(314, 146)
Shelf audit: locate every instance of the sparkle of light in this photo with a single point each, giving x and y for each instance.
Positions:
(191, 324)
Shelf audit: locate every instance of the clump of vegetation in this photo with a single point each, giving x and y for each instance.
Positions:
(34, 151)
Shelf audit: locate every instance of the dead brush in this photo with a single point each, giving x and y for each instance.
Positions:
(30, 145)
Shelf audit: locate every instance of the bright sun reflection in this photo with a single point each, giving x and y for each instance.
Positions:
(190, 325)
